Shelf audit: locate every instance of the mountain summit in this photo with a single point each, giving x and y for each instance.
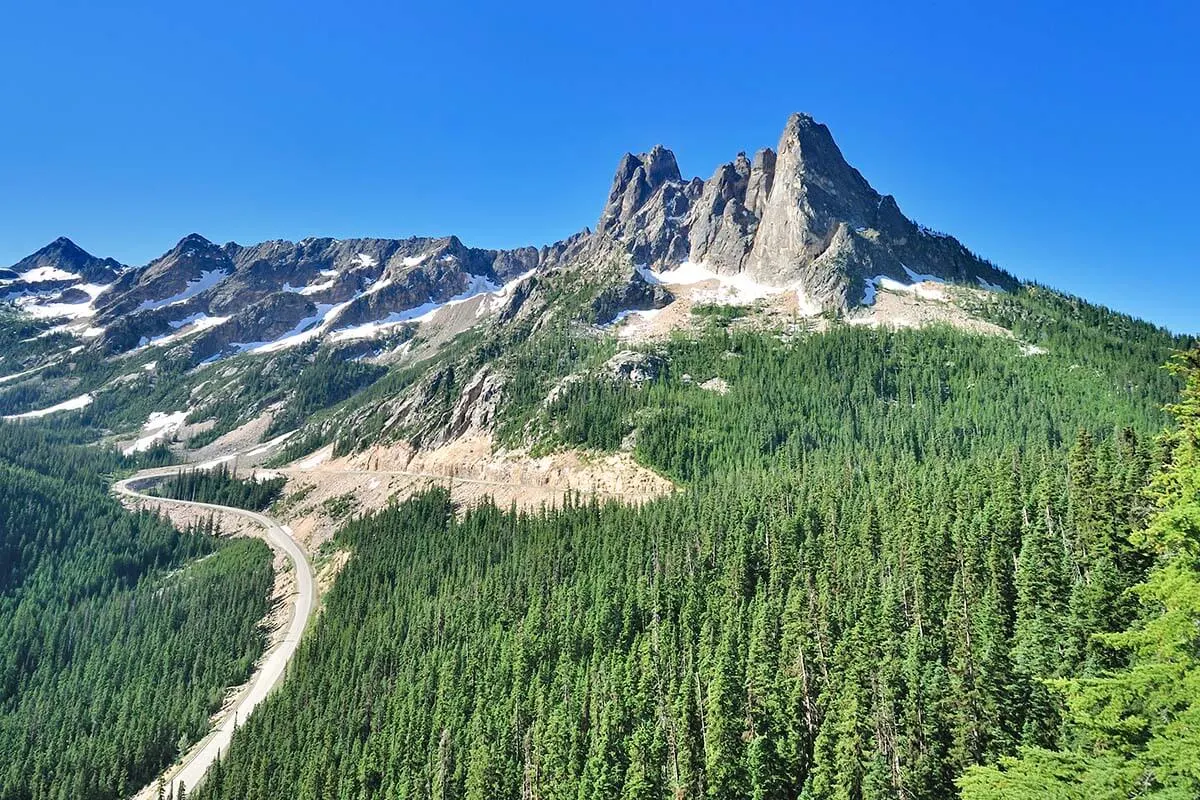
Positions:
(799, 215)
(64, 256)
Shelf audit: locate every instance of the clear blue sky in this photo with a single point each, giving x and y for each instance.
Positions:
(1059, 139)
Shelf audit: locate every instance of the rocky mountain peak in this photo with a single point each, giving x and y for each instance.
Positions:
(799, 215)
(64, 255)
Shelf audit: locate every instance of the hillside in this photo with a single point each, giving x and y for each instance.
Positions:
(758, 489)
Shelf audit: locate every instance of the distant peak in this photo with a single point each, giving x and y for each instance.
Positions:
(61, 249)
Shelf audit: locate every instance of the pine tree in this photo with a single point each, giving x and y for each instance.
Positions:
(1138, 728)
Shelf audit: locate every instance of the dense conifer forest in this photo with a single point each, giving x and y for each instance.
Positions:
(888, 552)
(118, 633)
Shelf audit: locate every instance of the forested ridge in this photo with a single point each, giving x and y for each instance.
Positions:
(888, 543)
(118, 633)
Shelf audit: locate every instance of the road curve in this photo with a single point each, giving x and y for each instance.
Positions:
(190, 771)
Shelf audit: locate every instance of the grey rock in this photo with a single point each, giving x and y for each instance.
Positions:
(800, 216)
(721, 227)
(647, 206)
(634, 294)
(762, 177)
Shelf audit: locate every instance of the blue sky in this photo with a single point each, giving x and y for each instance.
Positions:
(1057, 139)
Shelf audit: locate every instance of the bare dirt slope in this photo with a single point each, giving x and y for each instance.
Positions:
(322, 491)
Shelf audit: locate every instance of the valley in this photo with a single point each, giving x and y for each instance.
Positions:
(301, 600)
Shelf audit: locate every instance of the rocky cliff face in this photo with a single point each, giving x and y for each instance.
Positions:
(800, 216)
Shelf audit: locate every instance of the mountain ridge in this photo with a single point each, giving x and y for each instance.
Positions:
(797, 217)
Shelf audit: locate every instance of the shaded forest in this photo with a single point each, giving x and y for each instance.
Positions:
(118, 633)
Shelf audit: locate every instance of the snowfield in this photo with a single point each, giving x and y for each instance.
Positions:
(158, 427)
(730, 290)
(74, 404)
(207, 280)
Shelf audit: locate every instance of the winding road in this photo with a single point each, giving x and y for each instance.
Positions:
(271, 668)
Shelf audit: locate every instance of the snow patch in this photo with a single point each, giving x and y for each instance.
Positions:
(378, 286)
(632, 321)
(94, 290)
(216, 462)
(208, 279)
(74, 404)
(479, 285)
(278, 440)
(986, 284)
(730, 289)
(193, 323)
(55, 310)
(305, 330)
(42, 274)
(159, 425)
(920, 286)
(22, 374)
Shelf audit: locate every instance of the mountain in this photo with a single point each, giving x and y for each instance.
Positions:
(759, 489)
(64, 256)
(59, 281)
(797, 216)
(797, 219)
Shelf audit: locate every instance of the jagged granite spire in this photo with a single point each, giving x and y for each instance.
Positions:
(800, 216)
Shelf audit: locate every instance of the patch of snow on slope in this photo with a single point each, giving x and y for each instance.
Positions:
(633, 321)
(199, 320)
(730, 289)
(478, 285)
(208, 279)
(919, 287)
(22, 374)
(216, 462)
(42, 274)
(378, 286)
(504, 293)
(991, 287)
(314, 288)
(74, 404)
(94, 290)
(305, 330)
(278, 440)
(360, 260)
(158, 426)
(192, 323)
(55, 310)
(413, 261)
